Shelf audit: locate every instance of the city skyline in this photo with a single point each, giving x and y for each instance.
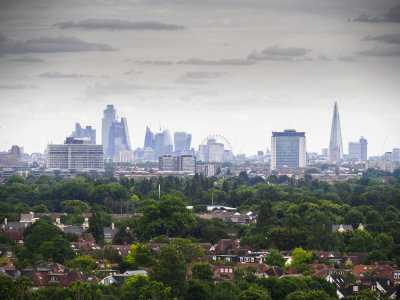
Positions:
(242, 69)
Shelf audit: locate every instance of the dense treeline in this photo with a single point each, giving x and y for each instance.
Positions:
(292, 213)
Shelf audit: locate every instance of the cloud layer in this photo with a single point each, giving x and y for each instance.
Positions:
(46, 44)
(393, 15)
(63, 75)
(100, 24)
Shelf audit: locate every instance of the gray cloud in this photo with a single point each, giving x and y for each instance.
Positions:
(323, 57)
(28, 59)
(95, 24)
(154, 62)
(203, 75)
(17, 86)
(393, 15)
(199, 61)
(63, 75)
(46, 44)
(381, 51)
(278, 53)
(348, 58)
(133, 73)
(197, 77)
(387, 38)
(116, 88)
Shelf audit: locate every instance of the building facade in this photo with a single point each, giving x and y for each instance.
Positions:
(288, 149)
(186, 163)
(167, 163)
(12, 158)
(75, 154)
(358, 150)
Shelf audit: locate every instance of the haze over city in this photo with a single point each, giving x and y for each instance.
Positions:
(238, 68)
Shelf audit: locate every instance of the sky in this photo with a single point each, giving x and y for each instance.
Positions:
(241, 69)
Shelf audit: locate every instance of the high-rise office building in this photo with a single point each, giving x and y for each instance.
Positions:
(108, 118)
(163, 143)
(186, 163)
(182, 141)
(396, 155)
(335, 145)
(11, 158)
(77, 154)
(288, 149)
(115, 134)
(87, 132)
(167, 163)
(148, 139)
(358, 150)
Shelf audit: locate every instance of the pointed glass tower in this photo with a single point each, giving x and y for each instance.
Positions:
(335, 145)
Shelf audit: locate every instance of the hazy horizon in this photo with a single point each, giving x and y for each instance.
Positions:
(241, 69)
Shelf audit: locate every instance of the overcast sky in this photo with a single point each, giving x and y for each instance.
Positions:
(241, 69)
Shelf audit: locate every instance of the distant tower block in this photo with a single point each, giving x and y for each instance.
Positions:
(335, 145)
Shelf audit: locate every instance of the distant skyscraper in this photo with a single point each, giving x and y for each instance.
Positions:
(108, 119)
(163, 143)
(118, 138)
(288, 149)
(335, 145)
(396, 155)
(182, 141)
(148, 139)
(115, 134)
(87, 132)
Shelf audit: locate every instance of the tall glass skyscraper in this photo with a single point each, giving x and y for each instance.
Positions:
(288, 149)
(335, 145)
(182, 141)
(148, 139)
(87, 132)
(115, 134)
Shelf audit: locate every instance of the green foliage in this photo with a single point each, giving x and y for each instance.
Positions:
(96, 227)
(141, 287)
(190, 251)
(309, 295)
(202, 271)
(171, 262)
(300, 259)
(254, 293)
(75, 207)
(140, 256)
(169, 216)
(274, 258)
(198, 290)
(44, 240)
(84, 263)
(225, 290)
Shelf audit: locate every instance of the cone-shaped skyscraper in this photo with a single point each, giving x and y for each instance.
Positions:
(335, 145)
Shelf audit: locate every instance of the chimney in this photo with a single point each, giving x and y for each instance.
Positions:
(112, 225)
(26, 225)
(376, 263)
(58, 221)
(5, 221)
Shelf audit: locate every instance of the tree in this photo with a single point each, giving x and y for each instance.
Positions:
(21, 286)
(84, 263)
(225, 290)
(76, 207)
(171, 262)
(361, 241)
(140, 256)
(140, 287)
(169, 216)
(365, 294)
(309, 295)
(6, 287)
(274, 258)
(266, 216)
(189, 250)
(96, 227)
(254, 293)
(300, 259)
(202, 271)
(198, 290)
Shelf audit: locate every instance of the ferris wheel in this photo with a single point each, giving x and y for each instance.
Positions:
(219, 139)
